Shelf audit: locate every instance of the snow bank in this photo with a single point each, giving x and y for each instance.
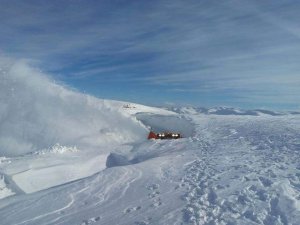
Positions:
(57, 149)
(163, 123)
(289, 201)
(36, 113)
(4, 190)
(37, 179)
(53, 135)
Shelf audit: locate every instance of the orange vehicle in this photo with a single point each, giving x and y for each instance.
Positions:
(164, 135)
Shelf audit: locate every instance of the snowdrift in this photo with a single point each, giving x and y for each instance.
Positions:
(36, 113)
(167, 123)
(53, 135)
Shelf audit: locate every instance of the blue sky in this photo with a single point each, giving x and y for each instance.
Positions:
(204, 53)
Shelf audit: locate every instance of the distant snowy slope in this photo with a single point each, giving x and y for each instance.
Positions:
(231, 111)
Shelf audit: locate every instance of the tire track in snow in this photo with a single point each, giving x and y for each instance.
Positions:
(49, 213)
(107, 192)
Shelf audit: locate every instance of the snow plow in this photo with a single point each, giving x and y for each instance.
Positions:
(164, 135)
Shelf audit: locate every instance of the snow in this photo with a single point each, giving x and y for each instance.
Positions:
(81, 160)
(235, 169)
(38, 178)
(74, 132)
(163, 123)
(4, 190)
(57, 149)
(36, 113)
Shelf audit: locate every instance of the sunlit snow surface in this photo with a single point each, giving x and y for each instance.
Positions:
(234, 169)
(68, 158)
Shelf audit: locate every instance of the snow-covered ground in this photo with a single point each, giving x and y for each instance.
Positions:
(68, 158)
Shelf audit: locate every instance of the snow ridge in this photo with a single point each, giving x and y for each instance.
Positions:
(36, 113)
(240, 177)
(57, 149)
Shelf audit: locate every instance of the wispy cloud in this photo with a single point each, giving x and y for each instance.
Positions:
(211, 46)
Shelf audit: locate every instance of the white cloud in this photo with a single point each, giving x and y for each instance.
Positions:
(211, 45)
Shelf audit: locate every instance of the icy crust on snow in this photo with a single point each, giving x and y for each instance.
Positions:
(40, 178)
(37, 171)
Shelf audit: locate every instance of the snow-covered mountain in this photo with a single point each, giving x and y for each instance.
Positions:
(69, 158)
(231, 111)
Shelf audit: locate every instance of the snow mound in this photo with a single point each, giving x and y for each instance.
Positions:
(36, 113)
(133, 109)
(57, 149)
(4, 190)
(163, 123)
(54, 135)
(40, 178)
(4, 160)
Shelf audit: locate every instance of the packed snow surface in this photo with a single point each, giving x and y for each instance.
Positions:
(67, 158)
